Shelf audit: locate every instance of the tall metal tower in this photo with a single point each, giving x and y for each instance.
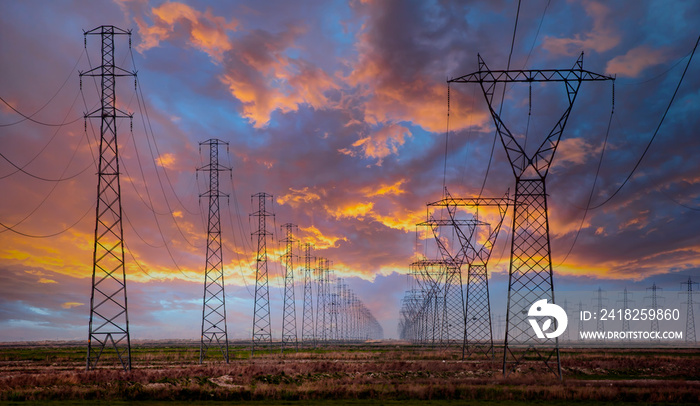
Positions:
(214, 330)
(654, 306)
(626, 299)
(109, 319)
(600, 324)
(690, 317)
(580, 320)
(262, 331)
(478, 333)
(530, 275)
(307, 325)
(289, 313)
(321, 299)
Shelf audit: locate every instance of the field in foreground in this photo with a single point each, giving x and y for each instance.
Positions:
(387, 374)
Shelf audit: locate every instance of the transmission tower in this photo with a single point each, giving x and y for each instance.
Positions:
(214, 330)
(109, 320)
(625, 306)
(262, 333)
(478, 329)
(307, 326)
(580, 320)
(654, 306)
(530, 274)
(321, 299)
(690, 317)
(566, 310)
(289, 314)
(600, 325)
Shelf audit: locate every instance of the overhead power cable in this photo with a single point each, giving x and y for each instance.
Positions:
(656, 132)
(13, 230)
(29, 117)
(500, 110)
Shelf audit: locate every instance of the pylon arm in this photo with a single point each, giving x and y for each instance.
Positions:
(578, 74)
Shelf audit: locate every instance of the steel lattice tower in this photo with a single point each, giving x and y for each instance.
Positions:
(530, 275)
(321, 299)
(214, 329)
(625, 306)
(600, 325)
(289, 313)
(566, 310)
(690, 333)
(262, 330)
(478, 329)
(580, 320)
(654, 306)
(109, 319)
(690, 317)
(307, 326)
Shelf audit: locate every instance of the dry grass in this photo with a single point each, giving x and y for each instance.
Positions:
(372, 372)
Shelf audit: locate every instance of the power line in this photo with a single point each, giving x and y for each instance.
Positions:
(595, 179)
(29, 117)
(12, 228)
(500, 110)
(656, 132)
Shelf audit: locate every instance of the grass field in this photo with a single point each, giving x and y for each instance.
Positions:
(377, 374)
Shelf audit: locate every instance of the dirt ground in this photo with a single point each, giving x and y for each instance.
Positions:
(370, 372)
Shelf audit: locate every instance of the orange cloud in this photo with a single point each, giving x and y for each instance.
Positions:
(265, 80)
(575, 151)
(296, 197)
(601, 38)
(44, 280)
(166, 160)
(634, 61)
(69, 305)
(357, 210)
(394, 189)
(380, 144)
(206, 32)
(318, 239)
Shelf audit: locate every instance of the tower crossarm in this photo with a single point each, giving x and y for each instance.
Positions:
(541, 160)
(576, 74)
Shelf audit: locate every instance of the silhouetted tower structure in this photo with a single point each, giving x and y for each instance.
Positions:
(654, 307)
(580, 320)
(530, 275)
(478, 329)
(289, 314)
(626, 299)
(262, 331)
(600, 324)
(307, 327)
(450, 318)
(566, 337)
(690, 336)
(321, 300)
(109, 319)
(214, 329)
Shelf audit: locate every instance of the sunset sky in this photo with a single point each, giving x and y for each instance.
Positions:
(339, 110)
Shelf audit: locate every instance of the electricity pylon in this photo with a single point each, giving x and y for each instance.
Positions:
(262, 332)
(478, 333)
(625, 306)
(289, 313)
(214, 328)
(530, 274)
(690, 317)
(109, 319)
(580, 320)
(307, 325)
(654, 307)
(600, 323)
(321, 299)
